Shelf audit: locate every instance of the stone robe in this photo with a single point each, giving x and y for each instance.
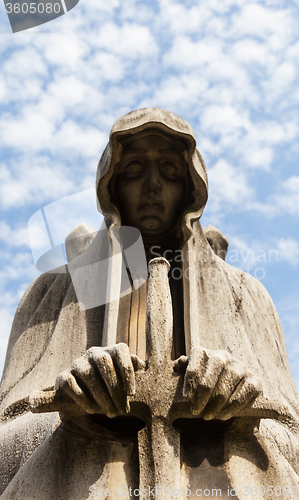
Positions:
(224, 308)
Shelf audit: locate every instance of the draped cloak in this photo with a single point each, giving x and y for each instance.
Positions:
(224, 308)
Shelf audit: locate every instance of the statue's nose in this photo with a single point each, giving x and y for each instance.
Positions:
(152, 180)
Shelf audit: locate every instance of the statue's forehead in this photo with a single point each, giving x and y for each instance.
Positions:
(152, 138)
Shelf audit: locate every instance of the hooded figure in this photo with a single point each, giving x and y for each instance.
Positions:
(221, 315)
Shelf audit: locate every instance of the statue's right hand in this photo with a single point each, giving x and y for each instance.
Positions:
(100, 381)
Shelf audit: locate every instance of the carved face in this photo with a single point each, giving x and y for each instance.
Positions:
(150, 183)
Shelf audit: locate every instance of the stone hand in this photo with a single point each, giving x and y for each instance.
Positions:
(217, 385)
(101, 380)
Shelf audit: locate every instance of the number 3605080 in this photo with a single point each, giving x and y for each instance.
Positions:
(33, 8)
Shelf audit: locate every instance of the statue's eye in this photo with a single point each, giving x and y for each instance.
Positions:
(169, 169)
(133, 169)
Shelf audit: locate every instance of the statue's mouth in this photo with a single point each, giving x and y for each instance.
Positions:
(151, 205)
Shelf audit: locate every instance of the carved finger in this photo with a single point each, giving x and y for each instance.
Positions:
(86, 371)
(231, 377)
(70, 386)
(180, 364)
(205, 388)
(138, 364)
(123, 365)
(243, 396)
(198, 360)
(104, 363)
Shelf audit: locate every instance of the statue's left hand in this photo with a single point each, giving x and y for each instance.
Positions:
(217, 385)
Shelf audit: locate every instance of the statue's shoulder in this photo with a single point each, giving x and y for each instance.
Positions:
(41, 286)
(243, 281)
(42, 289)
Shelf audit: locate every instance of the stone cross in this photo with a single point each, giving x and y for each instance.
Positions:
(159, 399)
(160, 390)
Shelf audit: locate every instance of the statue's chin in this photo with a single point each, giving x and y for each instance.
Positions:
(152, 229)
(158, 232)
(152, 225)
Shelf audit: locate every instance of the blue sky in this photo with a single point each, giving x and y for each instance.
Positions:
(230, 68)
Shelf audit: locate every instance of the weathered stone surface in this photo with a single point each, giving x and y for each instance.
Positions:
(217, 240)
(78, 240)
(203, 410)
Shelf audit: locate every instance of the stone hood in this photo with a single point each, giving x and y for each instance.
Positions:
(167, 122)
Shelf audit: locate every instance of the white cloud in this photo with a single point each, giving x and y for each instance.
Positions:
(101, 6)
(76, 139)
(288, 199)
(261, 158)
(14, 237)
(288, 250)
(34, 182)
(130, 40)
(253, 255)
(249, 51)
(258, 252)
(63, 50)
(18, 64)
(223, 119)
(259, 21)
(284, 202)
(181, 19)
(66, 213)
(178, 93)
(227, 187)
(17, 266)
(288, 308)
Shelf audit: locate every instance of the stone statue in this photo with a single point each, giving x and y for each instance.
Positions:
(217, 240)
(180, 387)
(78, 240)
